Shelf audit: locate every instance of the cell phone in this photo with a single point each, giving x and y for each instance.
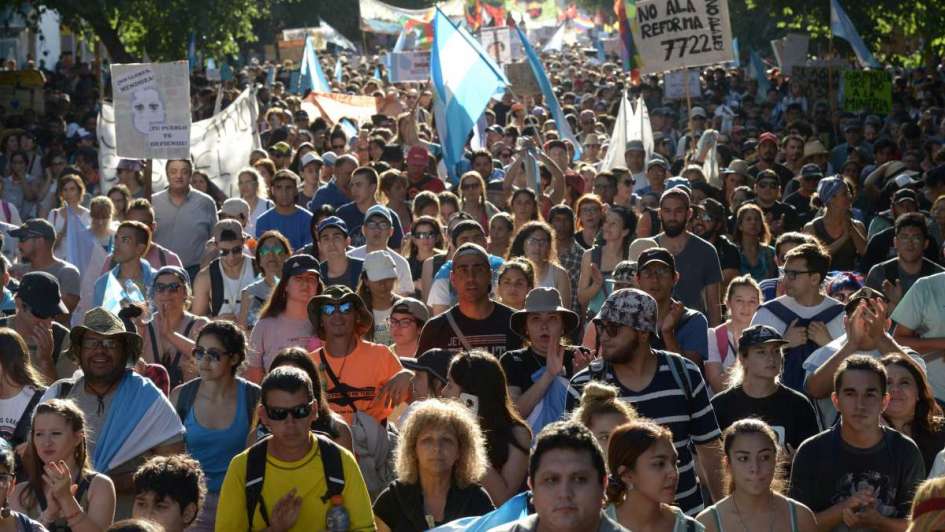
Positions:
(470, 401)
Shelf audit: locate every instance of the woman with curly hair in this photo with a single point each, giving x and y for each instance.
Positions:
(440, 459)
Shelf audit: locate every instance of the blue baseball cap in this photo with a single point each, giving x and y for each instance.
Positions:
(333, 221)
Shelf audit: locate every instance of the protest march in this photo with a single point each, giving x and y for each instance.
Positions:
(471, 265)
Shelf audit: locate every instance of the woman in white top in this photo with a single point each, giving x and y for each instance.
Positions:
(19, 383)
(535, 241)
(742, 300)
(253, 192)
(71, 192)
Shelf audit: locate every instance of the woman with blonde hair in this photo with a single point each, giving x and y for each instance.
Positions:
(754, 501)
(55, 461)
(742, 299)
(601, 411)
(252, 190)
(928, 507)
(440, 459)
(472, 198)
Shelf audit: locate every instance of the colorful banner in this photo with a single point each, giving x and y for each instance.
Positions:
(378, 17)
(676, 34)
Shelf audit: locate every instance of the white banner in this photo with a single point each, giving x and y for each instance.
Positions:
(219, 146)
(153, 103)
(409, 66)
(674, 34)
(499, 44)
(674, 84)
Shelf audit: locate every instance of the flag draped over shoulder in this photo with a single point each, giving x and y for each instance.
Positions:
(841, 26)
(464, 79)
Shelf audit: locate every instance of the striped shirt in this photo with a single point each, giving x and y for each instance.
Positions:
(665, 403)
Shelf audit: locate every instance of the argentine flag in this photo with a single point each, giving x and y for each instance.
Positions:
(841, 26)
(464, 79)
(311, 75)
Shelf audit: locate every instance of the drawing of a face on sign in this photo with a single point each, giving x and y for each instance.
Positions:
(147, 108)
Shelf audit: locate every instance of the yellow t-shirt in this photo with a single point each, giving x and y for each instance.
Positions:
(308, 477)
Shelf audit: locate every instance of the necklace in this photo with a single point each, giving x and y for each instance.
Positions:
(738, 514)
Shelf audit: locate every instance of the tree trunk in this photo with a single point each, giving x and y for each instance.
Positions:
(97, 20)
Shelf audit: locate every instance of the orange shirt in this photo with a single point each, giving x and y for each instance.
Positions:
(360, 374)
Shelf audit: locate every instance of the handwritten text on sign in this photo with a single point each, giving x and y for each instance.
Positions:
(673, 34)
(869, 91)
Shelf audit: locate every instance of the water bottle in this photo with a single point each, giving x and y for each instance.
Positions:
(132, 292)
(337, 519)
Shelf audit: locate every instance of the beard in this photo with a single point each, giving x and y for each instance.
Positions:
(673, 230)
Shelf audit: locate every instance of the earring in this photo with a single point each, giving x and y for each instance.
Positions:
(5, 512)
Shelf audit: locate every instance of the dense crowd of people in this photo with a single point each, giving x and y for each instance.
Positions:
(738, 327)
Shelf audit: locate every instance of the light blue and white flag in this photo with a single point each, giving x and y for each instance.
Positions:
(311, 76)
(551, 101)
(512, 510)
(841, 26)
(339, 71)
(757, 71)
(557, 40)
(464, 79)
(334, 37)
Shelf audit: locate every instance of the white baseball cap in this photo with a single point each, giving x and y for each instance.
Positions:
(379, 266)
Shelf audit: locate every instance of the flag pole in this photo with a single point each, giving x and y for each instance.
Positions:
(692, 133)
(148, 186)
(830, 94)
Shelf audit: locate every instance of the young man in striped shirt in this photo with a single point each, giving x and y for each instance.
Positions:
(662, 386)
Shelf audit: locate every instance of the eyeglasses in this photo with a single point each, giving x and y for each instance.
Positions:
(238, 250)
(271, 250)
(214, 354)
(792, 274)
(105, 343)
(297, 412)
(168, 287)
(343, 308)
(767, 184)
(377, 225)
(611, 328)
(706, 217)
(427, 235)
(627, 182)
(395, 323)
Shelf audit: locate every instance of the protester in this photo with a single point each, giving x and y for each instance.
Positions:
(376, 291)
(406, 320)
(535, 242)
(14, 519)
(426, 240)
(184, 217)
(218, 286)
(37, 303)
(516, 280)
(617, 231)
(336, 266)
(21, 388)
(742, 299)
(912, 409)
(272, 250)
(35, 247)
(602, 411)
(441, 457)
(842, 235)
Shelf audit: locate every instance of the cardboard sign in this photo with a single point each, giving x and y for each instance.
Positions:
(220, 145)
(674, 84)
(152, 110)
(790, 50)
(867, 91)
(409, 66)
(674, 34)
(522, 79)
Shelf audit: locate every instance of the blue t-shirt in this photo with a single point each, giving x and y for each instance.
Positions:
(295, 226)
(354, 218)
(328, 194)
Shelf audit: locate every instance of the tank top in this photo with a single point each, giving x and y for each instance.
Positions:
(214, 448)
(843, 259)
(232, 288)
(792, 512)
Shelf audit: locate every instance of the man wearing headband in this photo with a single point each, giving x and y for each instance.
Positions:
(477, 321)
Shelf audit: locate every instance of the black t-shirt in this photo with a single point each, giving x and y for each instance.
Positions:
(729, 258)
(780, 211)
(789, 413)
(802, 207)
(827, 471)
(401, 508)
(492, 333)
(521, 364)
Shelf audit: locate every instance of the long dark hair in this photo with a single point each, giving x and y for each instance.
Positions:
(15, 360)
(479, 373)
(629, 222)
(928, 418)
(272, 233)
(437, 231)
(517, 249)
(298, 357)
(33, 464)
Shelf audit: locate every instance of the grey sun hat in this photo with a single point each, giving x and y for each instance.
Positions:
(542, 300)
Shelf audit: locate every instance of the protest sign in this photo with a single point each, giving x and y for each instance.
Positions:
(674, 84)
(673, 34)
(814, 80)
(220, 146)
(790, 50)
(866, 91)
(409, 66)
(152, 106)
(521, 79)
(499, 44)
(335, 106)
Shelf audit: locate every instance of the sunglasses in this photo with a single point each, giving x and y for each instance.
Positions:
(232, 251)
(271, 250)
(297, 412)
(106, 343)
(343, 308)
(169, 287)
(611, 328)
(428, 235)
(214, 354)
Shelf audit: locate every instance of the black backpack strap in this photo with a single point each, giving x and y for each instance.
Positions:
(59, 336)
(64, 388)
(334, 379)
(216, 287)
(331, 462)
(162, 257)
(255, 476)
(678, 368)
(154, 344)
(22, 429)
(186, 398)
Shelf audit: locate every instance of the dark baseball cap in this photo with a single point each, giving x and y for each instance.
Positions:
(434, 361)
(758, 335)
(713, 208)
(811, 171)
(905, 194)
(861, 294)
(333, 221)
(35, 228)
(299, 264)
(653, 255)
(40, 292)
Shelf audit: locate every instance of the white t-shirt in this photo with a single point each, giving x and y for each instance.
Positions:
(11, 410)
(401, 266)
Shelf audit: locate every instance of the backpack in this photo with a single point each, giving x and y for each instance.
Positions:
(656, 341)
(793, 374)
(330, 454)
(216, 287)
(188, 394)
(373, 442)
(721, 341)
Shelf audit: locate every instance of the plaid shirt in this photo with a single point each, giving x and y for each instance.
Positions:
(570, 260)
